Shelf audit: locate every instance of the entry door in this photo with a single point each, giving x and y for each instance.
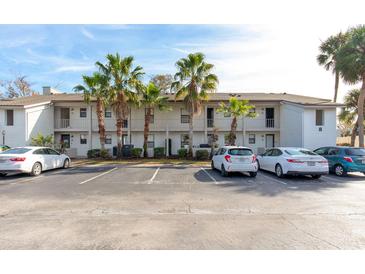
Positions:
(65, 139)
(269, 115)
(65, 117)
(270, 140)
(210, 117)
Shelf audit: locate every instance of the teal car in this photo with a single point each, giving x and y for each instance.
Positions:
(342, 160)
(3, 148)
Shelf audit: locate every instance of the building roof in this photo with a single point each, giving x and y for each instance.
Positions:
(253, 97)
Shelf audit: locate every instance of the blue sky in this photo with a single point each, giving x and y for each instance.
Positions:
(247, 58)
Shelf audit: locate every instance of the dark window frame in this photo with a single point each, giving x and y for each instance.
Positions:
(83, 112)
(83, 141)
(319, 119)
(10, 122)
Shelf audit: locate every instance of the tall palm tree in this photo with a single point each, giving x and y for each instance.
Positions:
(150, 98)
(96, 86)
(351, 65)
(328, 56)
(236, 108)
(348, 114)
(125, 82)
(193, 81)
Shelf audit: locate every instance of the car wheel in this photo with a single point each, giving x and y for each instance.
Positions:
(66, 163)
(279, 171)
(212, 165)
(253, 174)
(339, 170)
(3, 174)
(223, 171)
(36, 169)
(316, 176)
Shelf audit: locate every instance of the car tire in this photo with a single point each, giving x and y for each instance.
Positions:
(66, 164)
(212, 165)
(3, 174)
(316, 176)
(340, 171)
(253, 174)
(36, 169)
(258, 165)
(223, 171)
(279, 171)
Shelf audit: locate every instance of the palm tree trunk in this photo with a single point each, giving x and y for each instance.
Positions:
(146, 131)
(360, 104)
(101, 122)
(353, 133)
(232, 134)
(190, 152)
(337, 80)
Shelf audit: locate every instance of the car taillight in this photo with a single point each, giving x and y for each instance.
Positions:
(348, 159)
(228, 158)
(323, 162)
(253, 158)
(18, 159)
(294, 161)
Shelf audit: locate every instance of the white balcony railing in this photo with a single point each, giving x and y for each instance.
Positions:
(81, 124)
(270, 123)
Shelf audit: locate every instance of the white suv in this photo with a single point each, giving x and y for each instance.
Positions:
(235, 159)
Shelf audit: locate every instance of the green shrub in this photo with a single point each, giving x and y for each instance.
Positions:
(182, 152)
(136, 152)
(93, 153)
(104, 153)
(159, 152)
(202, 154)
(344, 144)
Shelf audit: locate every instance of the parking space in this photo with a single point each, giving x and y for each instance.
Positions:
(133, 206)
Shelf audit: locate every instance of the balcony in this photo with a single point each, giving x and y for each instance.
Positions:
(71, 124)
(210, 123)
(270, 123)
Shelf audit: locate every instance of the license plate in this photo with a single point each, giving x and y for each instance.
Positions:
(311, 163)
(243, 160)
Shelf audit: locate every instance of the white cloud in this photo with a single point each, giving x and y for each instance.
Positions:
(75, 68)
(87, 34)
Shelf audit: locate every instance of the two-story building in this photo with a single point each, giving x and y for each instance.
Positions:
(282, 120)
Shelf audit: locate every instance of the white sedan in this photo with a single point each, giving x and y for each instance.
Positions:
(235, 159)
(293, 161)
(32, 160)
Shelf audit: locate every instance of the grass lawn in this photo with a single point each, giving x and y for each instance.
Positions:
(143, 161)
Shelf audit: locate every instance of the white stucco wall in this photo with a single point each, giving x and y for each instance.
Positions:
(313, 137)
(15, 135)
(39, 120)
(291, 125)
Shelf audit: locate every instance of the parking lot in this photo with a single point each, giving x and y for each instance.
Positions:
(140, 206)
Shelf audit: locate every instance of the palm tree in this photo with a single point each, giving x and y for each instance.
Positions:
(125, 82)
(150, 98)
(328, 56)
(351, 65)
(348, 114)
(96, 86)
(236, 108)
(193, 81)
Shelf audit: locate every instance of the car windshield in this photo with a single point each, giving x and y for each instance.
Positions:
(355, 151)
(299, 152)
(240, 152)
(16, 151)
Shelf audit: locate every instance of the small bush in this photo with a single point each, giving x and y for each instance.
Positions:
(136, 152)
(159, 152)
(344, 144)
(104, 153)
(182, 152)
(202, 154)
(93, 153)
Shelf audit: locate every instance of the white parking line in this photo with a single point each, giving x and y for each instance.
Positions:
(154, 176)
(97, 176)
(333, 179)
(270, 178)
(210, 176)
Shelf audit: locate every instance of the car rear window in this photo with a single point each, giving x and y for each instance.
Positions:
(16, 151)
(355, 151)
(299, 152)
(240, 152)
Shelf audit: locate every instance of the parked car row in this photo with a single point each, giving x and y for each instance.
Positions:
(290, 161)
(32, 160)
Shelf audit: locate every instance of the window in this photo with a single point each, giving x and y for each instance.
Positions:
(251, 138)
(268, 152)
(83, 112)
(319, 117)
(9, 117)
(108, 113)
(293, 151)
(83, 139)
(108, 139)
(226, 114)
(17, 151)
(52, 152)
(151, 141)
(184, 140)
(333, 151)
(185, 117)
(252, 110)
(321, 151)
(125, 123)
(152, 117)
(222, 151)
(125, 139)
(240, 152)
(41, 151)
(276, 152)
(355, 151)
